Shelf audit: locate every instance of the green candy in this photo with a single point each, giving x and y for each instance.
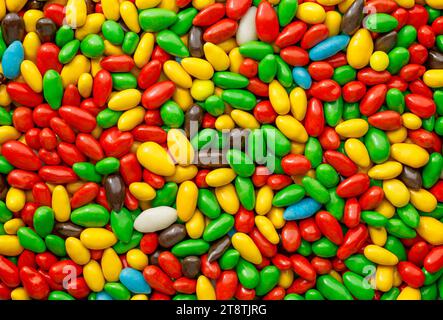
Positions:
(190, 247)
(53, 89)
(214, 105)
(172, 115)
(107, 166)
(5, 117)
(122, 225)
(327, 175)
(206, 138)
(316, 190)
(239, 99)
(431, 278)
(269, 276)
(207, 203)
(130, 42)
(56, 245)
(286, 11)
(5, 213)
(395, 246)
(344, 74)
(185, 297)
(276, 142)
(247, 274)
(439, 43)
(86, 171)
(380, 22)
(172, 44)
(230, 80)
(68, 51)
(293, 296)
(184, 21)
(257, 146)
(409, 215)
(156, 19)
(431, 171)
(108, 118)
(428, 123)
(406, 36)
(113, 32)
(267, 68)
(438, 99)
(117, 291)
(60, 295)
(374, 219)
(429, 292)
(398, 57)
(121, 247)
(240, 162)
(333, 112)
(332, 289)
(336, 205)
(166, 195)
(123, 81)
(63, 35)
(395, 100)
(30, 240)
(313, 294)
(360, 265)
(229, 259)
(399, 229)
(391, 294)
(284, 73)
(256, 50)
(324, 248)
(314, 152)
(288, 196)
(43, 221)
(3, 45)
(92, 46)
(351, 111)
(218, 227)
(245, 192)
(90, 216)
(358, 286)
(377, 143)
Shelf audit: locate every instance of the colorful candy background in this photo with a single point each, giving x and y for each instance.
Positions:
(211, 149)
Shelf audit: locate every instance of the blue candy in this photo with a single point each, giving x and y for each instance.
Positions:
(103, 296)
(12, 59)
(302, 77)
(302, 210)
(134, 281)
(327, 48)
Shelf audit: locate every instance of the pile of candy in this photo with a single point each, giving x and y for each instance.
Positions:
(211, 149)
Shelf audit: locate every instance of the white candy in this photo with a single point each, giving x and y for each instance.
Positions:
(246, 28)
(155, 219)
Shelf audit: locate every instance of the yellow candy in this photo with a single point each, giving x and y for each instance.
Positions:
(168, 5)
(409, 154)
(397, 278)
(292, 128)
(92, 272)
(311, 13)
(396, 192)
(111, 265)
(30, 18)
(409, 293)
(72, 71)
(386, 208)
(227, 198)
(336, 275)
(266, 228)
(139, 297)
(183, 98)
(411, 121)
(299, 103)
(179, 147)
(354, 128)
(93, 25)
(2, 9)
(131, 118)
(216, 56)
(423, 200)
(386, 171)
(187, 196)
(5, 101)
(142, 191)
(433, 78)
(246, 247)
(202, 89)
(146, 4)
(19, 294)
(15, 199)
(12, 226)
(431, 230)
(8, 133)
(344, 5)
(183, 173)
(10, 245)
(129, 14)
(76, 13)
(405, 3)
(279, 98)
(98, 238)
(329, 2)
(380, 255)
(125, 100)
(85, 85)
(31, 44)
(235, 59)
(175, 72)
(137, 259)
(436, 4)
(15, 5)
(397, 136)
(144, 50)
(244, 119)
(378, 235)
(225, 122)
(384, 278)
(360, 49)
(357, 152)
(276, 217)
(77, 251)
(220, 177)
(198, 68)
(111, 9)
(204, 289)
(379, 61)
(263, 201)
(196, 225)
(333, 22)
(61, 204)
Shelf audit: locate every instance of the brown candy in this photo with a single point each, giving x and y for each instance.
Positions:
(153, 258)
(386, 42)
(68, 229)
(435, 60)
(34, 5)
(411, 178)
(2, 78)
(90, 6)
(193, 120)
(352, 18)
(46, 29)
(115, 191)
(13, 28)
(191, 266)
(172, 235)
(195, 42)
(218, 248)
(211, 159)
(238, 138)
